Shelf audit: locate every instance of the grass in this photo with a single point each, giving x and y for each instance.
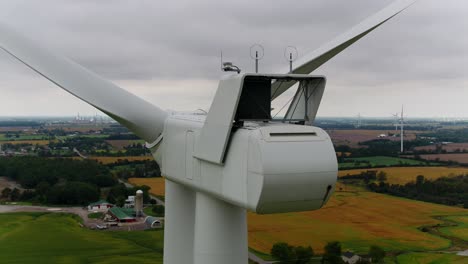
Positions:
(403, 175)
(439, 258)
(149, 211)
(460, 231)
(156, 184)
(382, 161)
(57, 238)
(95, 215)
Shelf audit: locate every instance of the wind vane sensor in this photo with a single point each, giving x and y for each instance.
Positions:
(290, 53)
(256, 53)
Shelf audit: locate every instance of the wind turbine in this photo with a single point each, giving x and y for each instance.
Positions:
(402, 132)
(397, 119)
(234, 159)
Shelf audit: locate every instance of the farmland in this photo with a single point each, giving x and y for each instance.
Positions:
(438, 258)
(403, 175)
(32, 142)
(108, 160)
(22, 237)
(381, 161)
(456, 157)
(156, 184)
(460, 231)
(353, 137)
(356, 218)
(452, 147)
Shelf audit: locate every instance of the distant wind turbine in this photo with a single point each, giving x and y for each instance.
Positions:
(397, 119)
(402, 131)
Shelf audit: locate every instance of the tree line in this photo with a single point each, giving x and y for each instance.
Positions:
(288, 254)
(57, 181)
(445, 190)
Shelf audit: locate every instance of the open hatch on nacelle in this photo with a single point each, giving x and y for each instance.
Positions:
(247, 97)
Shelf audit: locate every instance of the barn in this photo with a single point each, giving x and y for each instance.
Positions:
(101, 205)
(122, 214)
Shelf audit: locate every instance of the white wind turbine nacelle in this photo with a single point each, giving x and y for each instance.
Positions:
(234, 159)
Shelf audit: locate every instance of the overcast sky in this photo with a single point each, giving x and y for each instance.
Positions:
(168, 52)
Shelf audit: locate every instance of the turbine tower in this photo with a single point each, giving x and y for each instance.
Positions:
(235, 159)
(397, 119)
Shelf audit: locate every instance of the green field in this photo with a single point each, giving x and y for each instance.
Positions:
(381, 161)
(433, 258)
(23, 137)
(58, 238)
(460, 231)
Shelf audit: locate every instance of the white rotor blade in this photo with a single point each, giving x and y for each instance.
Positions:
(317, 58)
(141, 117)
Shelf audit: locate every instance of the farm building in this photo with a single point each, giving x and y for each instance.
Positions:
(122, 214)
(350, 258)
(130, 202)
(152, 222)
(100, 205)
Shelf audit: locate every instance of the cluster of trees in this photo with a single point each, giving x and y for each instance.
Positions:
(125, 169)
(57, 181)
(366, 176)
(19, 123)
(11, 195)
(158, 210)
(286, 253)
(93, 146)
(449, 135)
(379, 147)
(444, 190)
(119, 193)
(136, 150)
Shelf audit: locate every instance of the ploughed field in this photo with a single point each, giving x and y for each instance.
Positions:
(403, 175)
(355, 217)
(456, 157)
(58, 238)
(352, 137)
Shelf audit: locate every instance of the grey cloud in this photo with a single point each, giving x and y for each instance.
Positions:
(140, 41)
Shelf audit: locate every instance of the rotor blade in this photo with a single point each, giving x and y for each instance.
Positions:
(317, 58)
(141, 117)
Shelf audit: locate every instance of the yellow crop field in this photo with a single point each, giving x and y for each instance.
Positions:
(403, 175)
(156, 184)
(356, 218)
(107, 160)
(32, 142)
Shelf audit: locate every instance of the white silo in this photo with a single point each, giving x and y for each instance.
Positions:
(139, 203)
